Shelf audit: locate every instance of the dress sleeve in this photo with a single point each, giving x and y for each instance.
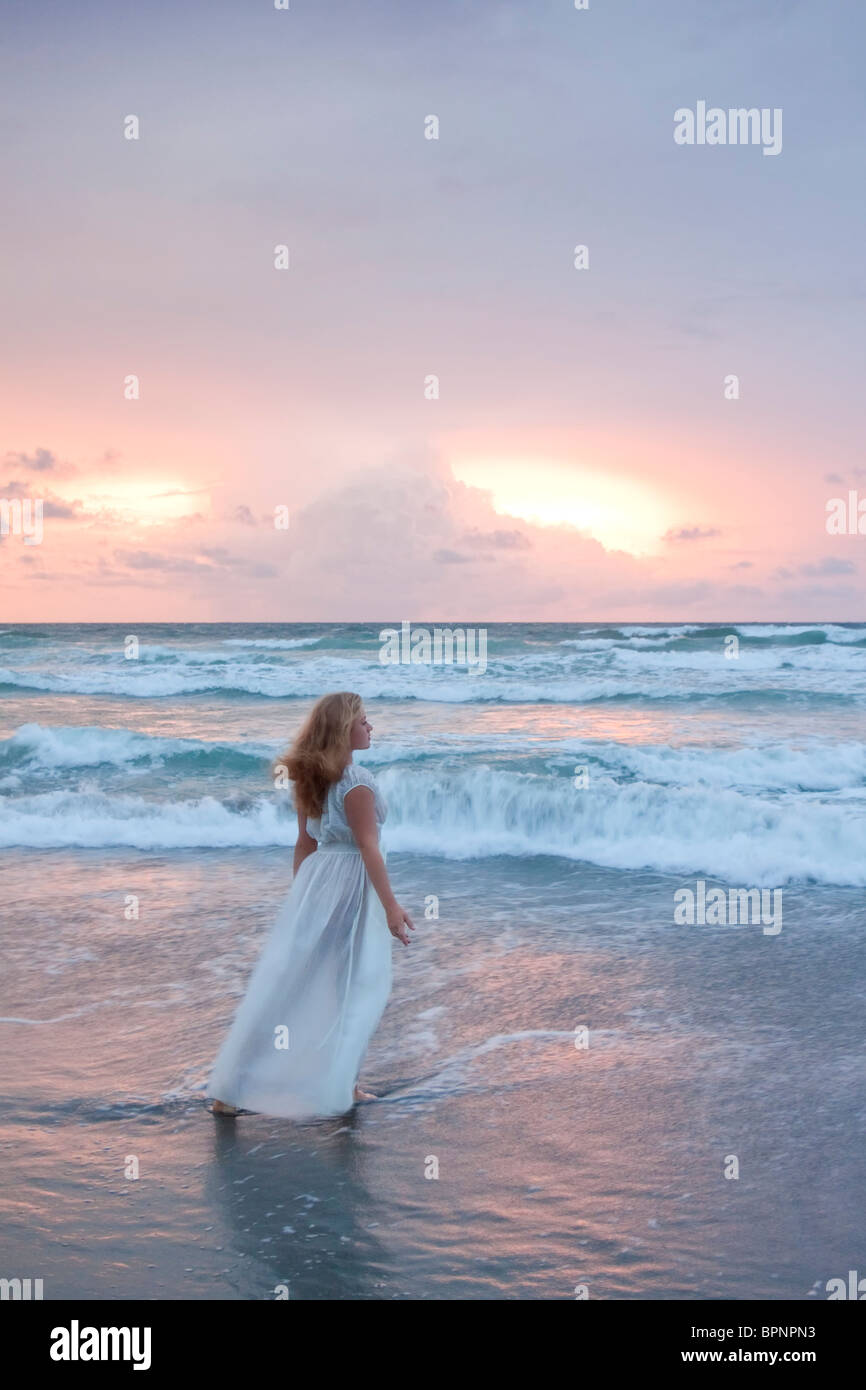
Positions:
(354, 777)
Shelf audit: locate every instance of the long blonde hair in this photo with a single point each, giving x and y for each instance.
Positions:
(321, 749)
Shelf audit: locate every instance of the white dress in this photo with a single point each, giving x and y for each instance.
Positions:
(320, 985)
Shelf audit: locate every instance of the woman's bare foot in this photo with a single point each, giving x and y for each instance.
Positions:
(364, 1095)
(220, 1108)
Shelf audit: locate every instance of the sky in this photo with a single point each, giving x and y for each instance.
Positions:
(438, 409)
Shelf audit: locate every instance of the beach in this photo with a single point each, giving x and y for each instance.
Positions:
(578, 1095)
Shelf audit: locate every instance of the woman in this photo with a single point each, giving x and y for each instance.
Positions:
(323, 979)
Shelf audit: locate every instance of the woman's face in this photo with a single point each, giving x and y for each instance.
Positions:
(361, 731)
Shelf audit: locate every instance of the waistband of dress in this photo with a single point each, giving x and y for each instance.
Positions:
(337, 848)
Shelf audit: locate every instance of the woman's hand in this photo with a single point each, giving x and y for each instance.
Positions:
(399, 923)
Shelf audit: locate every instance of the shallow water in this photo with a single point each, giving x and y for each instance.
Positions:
(557, 1166)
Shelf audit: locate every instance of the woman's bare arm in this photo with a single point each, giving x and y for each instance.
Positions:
(304, 845)
(360, 809)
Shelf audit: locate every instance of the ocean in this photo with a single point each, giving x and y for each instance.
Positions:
(618, 1099)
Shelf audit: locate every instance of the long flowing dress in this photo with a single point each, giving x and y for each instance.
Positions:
(320, 985)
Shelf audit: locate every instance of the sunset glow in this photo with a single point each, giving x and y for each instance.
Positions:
(619, 512)
(141, 501)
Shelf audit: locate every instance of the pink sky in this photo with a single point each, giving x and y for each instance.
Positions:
(581, 460)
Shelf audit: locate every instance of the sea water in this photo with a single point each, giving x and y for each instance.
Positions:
(586, 1067)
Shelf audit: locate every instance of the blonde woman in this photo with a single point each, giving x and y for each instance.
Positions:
(322, 981)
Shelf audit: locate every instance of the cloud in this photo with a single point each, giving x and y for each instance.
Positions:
(498, 540)
(828, 565)
(691, 533)
(839, 479)
(218, 555)
(181, 492)
(809, 593)
(451, 557)
(52, 506)
(406, 539)
(43, 461)
(40, 461)
(150, 560)
(410, 532)
(61, 511)
(206, 560)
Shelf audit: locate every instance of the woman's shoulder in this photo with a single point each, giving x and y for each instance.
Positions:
(355, 776)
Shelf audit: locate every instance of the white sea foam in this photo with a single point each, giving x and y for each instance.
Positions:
(816, 658)
(43, 746)
(746, 838)
(276, 644)
(776, 766)
(598, 666)
(46, 747)
(92, 819)
(709, 677)
(773, 767)
(833, 632)
(765, 797)
(656, 630)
